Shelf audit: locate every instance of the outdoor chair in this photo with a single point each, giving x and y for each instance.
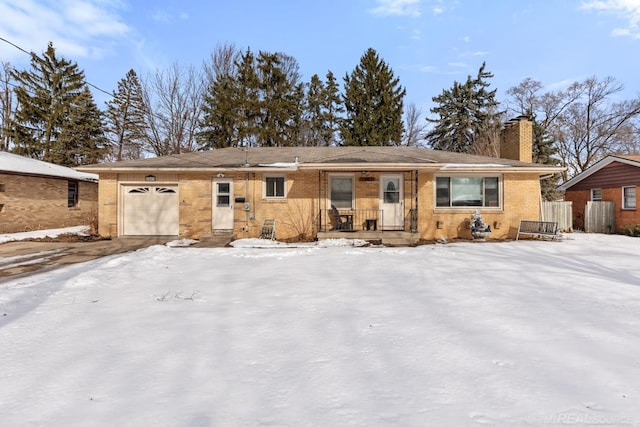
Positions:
(268, 230)
(344, 222)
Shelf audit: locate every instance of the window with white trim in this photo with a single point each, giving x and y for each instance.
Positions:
(629, 197)
(342, 191)
(462, 191)
(596, 194)
(275, 187)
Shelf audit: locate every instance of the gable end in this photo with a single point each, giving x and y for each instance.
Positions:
(615, 174)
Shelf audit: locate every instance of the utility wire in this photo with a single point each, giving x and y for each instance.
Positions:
(33, 54)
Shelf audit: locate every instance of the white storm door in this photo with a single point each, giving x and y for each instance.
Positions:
(392, 202)
(222, 210)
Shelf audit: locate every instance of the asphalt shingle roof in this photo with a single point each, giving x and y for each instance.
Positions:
(259, 156)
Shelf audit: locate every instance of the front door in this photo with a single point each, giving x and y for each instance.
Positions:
(392, 202)
(222, 210)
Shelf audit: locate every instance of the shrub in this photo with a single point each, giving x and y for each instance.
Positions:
(632, 230)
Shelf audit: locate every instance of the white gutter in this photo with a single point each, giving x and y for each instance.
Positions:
(292, 167)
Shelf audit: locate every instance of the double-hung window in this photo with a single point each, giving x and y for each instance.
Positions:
(629, 197)
(72, 194)
(342, 191)
(275, 187)
(453, 191)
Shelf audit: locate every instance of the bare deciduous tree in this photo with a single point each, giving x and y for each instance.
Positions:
(222, 63)
(583, 120)
(6, 105)
(173, 101)
(413, 127)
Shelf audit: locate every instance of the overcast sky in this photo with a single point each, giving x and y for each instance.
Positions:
(429, 44)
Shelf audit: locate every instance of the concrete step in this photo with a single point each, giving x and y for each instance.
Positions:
(218, 240)
(392, 238)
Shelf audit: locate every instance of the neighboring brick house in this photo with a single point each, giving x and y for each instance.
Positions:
(615, 179)
(389, 193)
(36, 195)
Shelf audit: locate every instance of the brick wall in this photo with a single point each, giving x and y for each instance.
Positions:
(516, 140)
(624, 218)
(520, 197)
(297, 214)
(39, 203)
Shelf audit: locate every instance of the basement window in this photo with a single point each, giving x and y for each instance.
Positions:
(72, 194)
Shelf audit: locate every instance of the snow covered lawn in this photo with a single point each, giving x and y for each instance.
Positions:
(515, 333)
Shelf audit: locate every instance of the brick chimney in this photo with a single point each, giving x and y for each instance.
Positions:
(516, 140)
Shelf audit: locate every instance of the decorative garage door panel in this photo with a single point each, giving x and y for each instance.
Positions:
(151, 210)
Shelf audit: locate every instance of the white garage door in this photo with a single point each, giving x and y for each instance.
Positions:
(150, 210)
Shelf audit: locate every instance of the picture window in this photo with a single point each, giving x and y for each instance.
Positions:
(467, 191)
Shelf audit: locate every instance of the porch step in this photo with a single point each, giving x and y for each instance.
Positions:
(217, 240)
(391, 238)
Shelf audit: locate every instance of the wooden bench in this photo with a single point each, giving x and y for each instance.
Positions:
(538, 228)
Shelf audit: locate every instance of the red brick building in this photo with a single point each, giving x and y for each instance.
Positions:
(613, 179)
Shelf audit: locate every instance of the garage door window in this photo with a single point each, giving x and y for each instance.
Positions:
(140, 190)
(165, 190)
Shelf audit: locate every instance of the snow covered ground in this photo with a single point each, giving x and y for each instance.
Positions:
(511, 333)
(38, 234)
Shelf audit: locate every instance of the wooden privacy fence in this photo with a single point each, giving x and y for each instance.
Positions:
(560, 212)
(600, 217)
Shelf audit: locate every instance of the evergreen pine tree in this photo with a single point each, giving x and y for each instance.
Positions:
(81, 140)
(314, 110)
(333, 108)
(544, 151)
(322, 108)
(220, 121)
(467, 117)
(278, 103)
(45, 94)
(125, 120)
(247, 100)
(373, 100)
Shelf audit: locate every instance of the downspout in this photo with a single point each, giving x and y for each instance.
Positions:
(415, 191)
(540, 194)
(246, 198)
(319, 198)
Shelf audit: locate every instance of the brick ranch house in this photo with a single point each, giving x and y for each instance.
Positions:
(36, 195)
(395, 194)
(614, 179)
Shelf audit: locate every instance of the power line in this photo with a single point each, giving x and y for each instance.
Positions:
(33, 54)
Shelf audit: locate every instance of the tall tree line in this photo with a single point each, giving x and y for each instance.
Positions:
(243, 98)
(238, 98)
